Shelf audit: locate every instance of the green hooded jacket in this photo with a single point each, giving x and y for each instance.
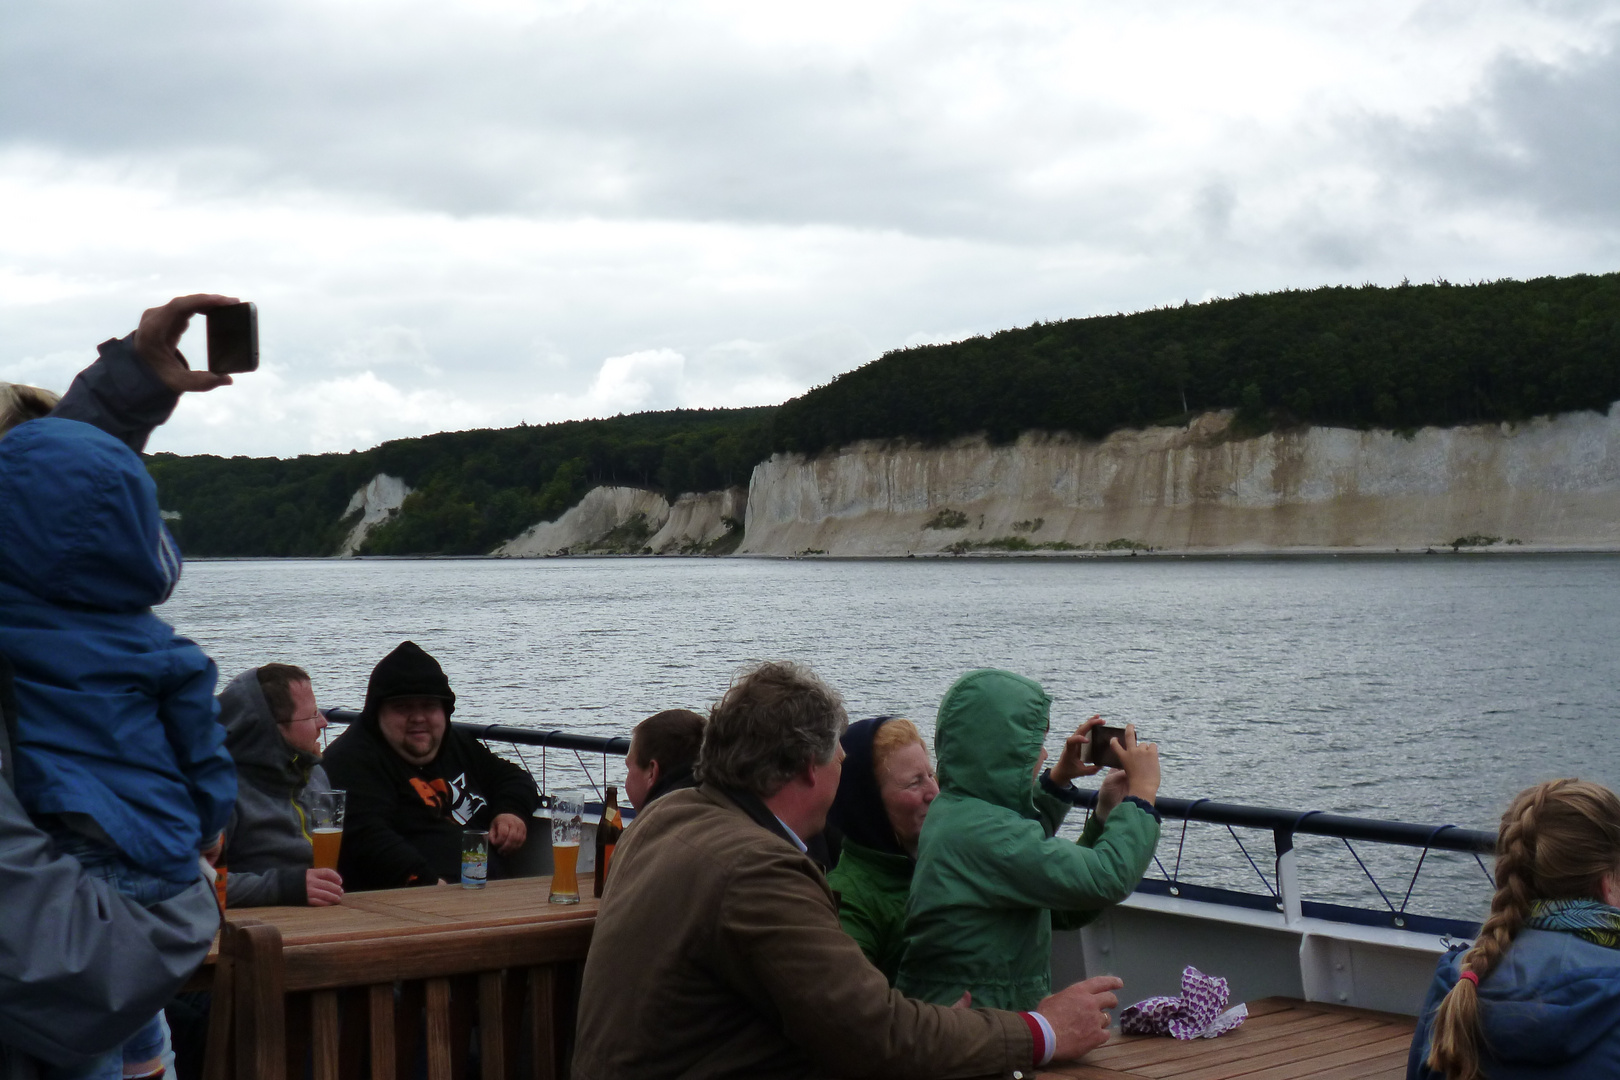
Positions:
(990, 871)
(872, 887)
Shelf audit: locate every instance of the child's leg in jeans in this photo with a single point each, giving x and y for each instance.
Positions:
(141, 1054)
(143, 1051)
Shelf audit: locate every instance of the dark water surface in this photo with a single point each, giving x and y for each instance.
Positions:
(1422, 689)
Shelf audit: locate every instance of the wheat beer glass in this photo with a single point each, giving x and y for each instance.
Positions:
(567, 812)
(326, 826)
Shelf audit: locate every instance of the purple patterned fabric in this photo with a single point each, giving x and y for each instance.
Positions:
(1196, 1014)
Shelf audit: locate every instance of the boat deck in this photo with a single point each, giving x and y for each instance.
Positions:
(1283, 1039)
(325, 961)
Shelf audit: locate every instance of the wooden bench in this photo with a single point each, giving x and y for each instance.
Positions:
(1283, 1039)
(392, 984)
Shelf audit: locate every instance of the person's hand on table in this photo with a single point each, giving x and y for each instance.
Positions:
(157, 341)
(1071, 762)
(323, 888)
(1078, 1015)
(507, 833)
(1140, 764)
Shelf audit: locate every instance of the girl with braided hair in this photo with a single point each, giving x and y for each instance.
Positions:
(1538, 994)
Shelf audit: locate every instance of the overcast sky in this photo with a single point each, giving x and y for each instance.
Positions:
(471, 214)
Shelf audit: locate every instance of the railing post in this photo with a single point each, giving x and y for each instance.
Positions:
(1288, 875)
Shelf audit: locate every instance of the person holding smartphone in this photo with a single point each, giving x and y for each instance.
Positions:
(88, 966)
(990, 869)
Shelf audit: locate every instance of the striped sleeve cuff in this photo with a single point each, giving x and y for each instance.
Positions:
(1040, 1031)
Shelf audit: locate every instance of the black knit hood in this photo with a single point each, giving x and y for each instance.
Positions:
(408, 671)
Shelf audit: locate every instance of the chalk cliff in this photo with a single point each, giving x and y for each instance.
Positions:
(630, 521)
(376, 502)
(1550, 482)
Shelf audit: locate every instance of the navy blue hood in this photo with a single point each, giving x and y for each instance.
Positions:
(80, 519)
(857, 810)
(1551, 998)
(1549, 1010)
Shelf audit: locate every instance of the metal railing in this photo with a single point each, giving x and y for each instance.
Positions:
(1285, 896)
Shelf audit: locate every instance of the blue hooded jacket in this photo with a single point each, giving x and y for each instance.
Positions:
(1550, 1010)
(116, 714)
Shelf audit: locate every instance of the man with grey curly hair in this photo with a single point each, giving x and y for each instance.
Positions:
(717, 950)
(772, 723)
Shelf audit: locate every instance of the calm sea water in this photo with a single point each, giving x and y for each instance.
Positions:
(1425, 689)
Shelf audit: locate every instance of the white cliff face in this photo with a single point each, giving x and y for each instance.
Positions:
(607, 518)
(1552, 482)
(698, 520)
(623, 520)
(377, 501)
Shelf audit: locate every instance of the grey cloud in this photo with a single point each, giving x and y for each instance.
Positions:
(1544, 135)
(629, 114)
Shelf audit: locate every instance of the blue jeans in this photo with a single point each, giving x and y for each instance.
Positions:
(101, 861)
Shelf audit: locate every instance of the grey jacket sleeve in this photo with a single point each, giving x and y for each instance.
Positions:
(279, 886)
(119, 394)
(81, 967)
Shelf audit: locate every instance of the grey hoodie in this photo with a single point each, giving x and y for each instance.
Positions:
(266, 847)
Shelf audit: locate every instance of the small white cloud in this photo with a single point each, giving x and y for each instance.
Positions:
(270, 414)
(638, 381)
(387, 346)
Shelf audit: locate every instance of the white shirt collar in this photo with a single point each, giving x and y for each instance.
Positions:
(792, 835)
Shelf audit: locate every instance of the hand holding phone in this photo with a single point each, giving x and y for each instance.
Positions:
(157, 342)
(1101, 748)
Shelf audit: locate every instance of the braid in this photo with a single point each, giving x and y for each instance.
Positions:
(1455, 1044)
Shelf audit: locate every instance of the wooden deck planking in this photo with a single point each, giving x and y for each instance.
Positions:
(1149, 1057)
(1282, 1040)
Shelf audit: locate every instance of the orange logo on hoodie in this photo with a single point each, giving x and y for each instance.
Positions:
(435, 794)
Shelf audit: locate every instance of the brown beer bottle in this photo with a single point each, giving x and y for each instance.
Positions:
(607, 836)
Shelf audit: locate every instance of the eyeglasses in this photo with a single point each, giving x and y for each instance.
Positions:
(315, 719)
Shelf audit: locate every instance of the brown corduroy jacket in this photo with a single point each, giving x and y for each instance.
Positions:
(718, 953)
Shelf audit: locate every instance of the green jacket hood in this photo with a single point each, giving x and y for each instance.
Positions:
(988, 736)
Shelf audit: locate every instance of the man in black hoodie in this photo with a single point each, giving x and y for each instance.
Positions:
(415, 783)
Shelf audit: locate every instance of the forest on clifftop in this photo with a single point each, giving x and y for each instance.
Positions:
(1400, 358)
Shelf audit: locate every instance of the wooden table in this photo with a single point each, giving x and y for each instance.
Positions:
(1283, 1039)
(408, 911)
(298, 979)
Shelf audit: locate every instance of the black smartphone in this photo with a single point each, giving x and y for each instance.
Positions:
(1100, 747)
(233, 339)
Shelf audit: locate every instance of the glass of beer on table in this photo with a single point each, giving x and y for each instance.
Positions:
(567, 814)
(326, 826)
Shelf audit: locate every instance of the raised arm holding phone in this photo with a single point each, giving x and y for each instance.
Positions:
(84, 965)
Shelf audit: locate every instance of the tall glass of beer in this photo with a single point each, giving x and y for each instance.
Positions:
(326, 826)
(567, 812)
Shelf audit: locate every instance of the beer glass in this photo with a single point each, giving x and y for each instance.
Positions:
(326, 826)
(567, 812)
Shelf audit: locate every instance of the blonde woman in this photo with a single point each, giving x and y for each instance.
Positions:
(883, 797)
(1538, 994)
